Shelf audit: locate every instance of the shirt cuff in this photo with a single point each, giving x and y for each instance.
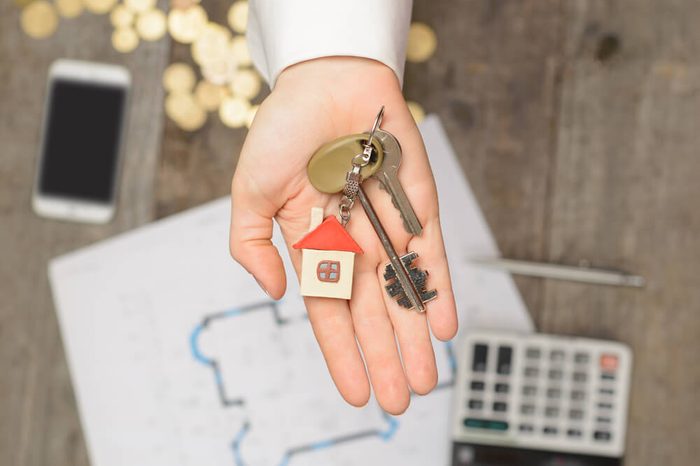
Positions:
(284, 32)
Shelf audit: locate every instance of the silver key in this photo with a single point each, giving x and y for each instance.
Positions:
(409, 286)
(389, 179)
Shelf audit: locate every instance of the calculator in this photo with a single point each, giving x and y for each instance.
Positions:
(534, 399)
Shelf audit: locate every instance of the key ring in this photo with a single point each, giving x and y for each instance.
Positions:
(367, 152)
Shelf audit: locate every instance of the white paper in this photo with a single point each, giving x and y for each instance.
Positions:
(178, 358)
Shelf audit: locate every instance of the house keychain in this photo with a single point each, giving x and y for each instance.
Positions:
(328, 249)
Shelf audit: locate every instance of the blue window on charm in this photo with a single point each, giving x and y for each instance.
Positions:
(328, 271)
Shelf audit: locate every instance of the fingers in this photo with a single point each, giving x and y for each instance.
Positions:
(441, 312)
(250, 240)
(333, 327)
(376, 336)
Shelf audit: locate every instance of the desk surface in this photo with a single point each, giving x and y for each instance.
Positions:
(575, 122)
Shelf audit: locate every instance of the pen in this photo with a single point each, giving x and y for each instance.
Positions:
(563, 272)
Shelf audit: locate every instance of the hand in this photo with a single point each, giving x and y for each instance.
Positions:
(315, 102)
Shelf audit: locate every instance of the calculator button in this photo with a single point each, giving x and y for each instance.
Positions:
(604, 405)
(555, 374)
(502, 388)
(527, 409)
(581, 358)
(526, 428)
(476, 404)
(553, 393)
(477, 386)
(550, 430)
(607, 376)
(551, 411)
(480, 356)
(529, 390)
(505, 354)
(601, 435)
(608, 362)
(532, 353)
(500, 406)
(578, 395)
(576, 433)
(607, 391)
(531, 372)
(576, 414)
(485, 424)
(580, 377)
(603, 420)
(557, 356)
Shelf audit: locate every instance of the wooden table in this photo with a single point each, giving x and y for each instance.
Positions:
(577, 123)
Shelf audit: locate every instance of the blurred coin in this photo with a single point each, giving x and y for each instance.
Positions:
(416, 111)
(121, 17)
(238, 16)
(179, 78)
(246, 84)
(186, 25)
(125, 39)
(39, 19)
(250, 116)
(209, 96)
(99, 7)
(212, 44)
(140, 6)
(422, 43)
(151, 25)
(239, 48)
(69, 8)
(220, 70)
(183, 4)
(234, 111)
(184, 110)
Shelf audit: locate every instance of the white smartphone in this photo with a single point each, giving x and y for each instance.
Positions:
(81, 141)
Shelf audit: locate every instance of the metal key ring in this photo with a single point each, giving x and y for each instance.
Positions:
(375, 126)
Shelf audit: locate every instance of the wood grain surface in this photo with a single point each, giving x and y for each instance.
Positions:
(576, 122)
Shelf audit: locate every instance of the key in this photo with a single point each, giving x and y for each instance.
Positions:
(387, 174)
(409, 286)
(331, 162)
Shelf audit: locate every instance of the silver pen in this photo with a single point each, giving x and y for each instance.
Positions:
(563, 272)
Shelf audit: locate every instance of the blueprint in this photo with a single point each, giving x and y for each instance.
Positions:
(177, 358)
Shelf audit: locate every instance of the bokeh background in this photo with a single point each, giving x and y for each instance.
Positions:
(576, 122)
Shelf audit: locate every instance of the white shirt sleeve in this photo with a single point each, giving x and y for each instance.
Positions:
(284, 32)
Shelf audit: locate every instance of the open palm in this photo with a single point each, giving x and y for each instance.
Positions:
(315, 102)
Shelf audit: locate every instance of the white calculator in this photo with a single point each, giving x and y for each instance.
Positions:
(535, 400)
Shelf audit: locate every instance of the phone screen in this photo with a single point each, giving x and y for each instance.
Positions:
(81, 142)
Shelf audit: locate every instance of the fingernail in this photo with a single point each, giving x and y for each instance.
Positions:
(262, 287)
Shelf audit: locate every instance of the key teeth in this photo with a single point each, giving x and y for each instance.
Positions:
(418, 277)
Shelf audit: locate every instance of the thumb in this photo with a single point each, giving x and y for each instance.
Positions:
(250, 240)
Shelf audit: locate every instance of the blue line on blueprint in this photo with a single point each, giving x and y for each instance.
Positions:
(236, 444)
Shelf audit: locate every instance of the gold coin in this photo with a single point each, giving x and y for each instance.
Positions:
(99, 7)
(69, 8)
(209, 96)
(238, 16)
(184, 110)
(250, 116)
(151, 25)
(179, 77)
(239, 49)
(234, 111)
(39, 19)
(125, 39)
(246, 84)
(416, 111)
(422, 43)
(220, 70)
(121, 17)
(140, 6)
(186, 25)
(212, 44)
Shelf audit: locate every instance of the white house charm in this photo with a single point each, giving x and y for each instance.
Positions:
(328, 258)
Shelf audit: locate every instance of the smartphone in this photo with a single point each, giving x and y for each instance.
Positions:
(81, 141)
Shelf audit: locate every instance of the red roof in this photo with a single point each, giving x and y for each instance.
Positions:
(329, 236)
